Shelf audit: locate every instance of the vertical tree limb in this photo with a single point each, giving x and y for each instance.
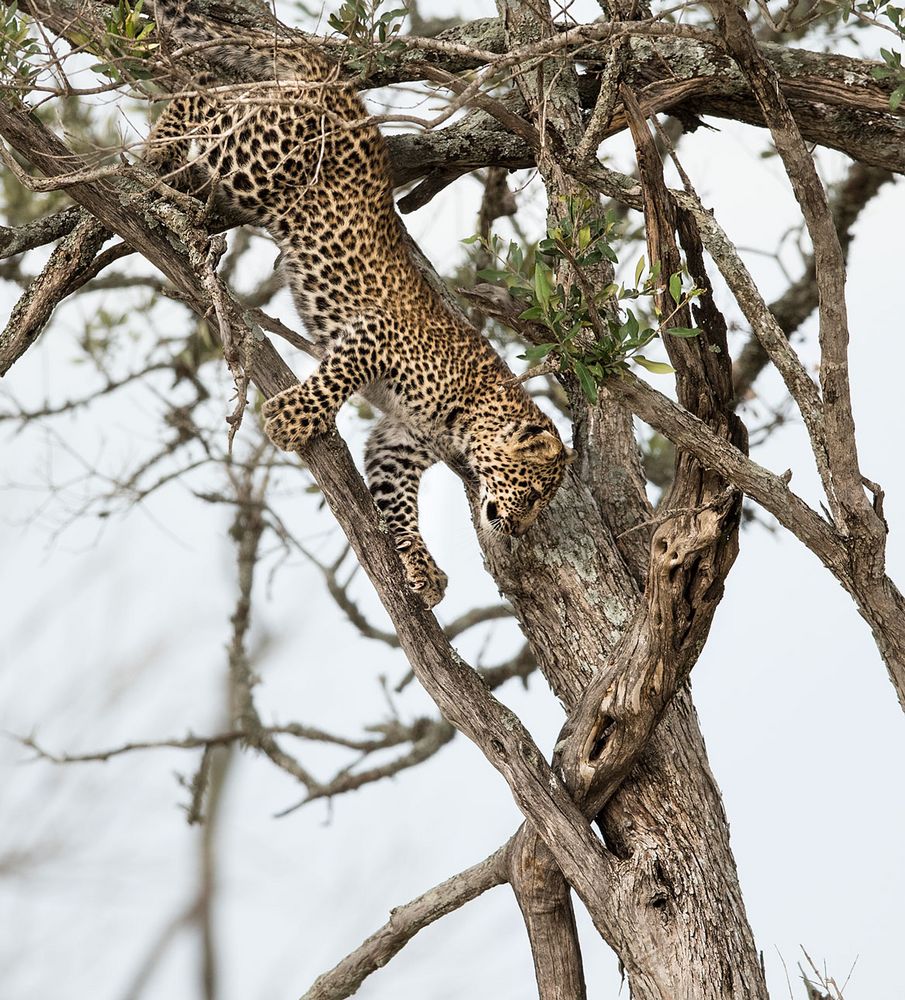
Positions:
(799, 300)
(847, 498)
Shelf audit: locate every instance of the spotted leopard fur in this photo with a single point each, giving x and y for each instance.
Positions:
(298, 157)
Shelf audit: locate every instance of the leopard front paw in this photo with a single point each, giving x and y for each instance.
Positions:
(288, 420)
(423, 575)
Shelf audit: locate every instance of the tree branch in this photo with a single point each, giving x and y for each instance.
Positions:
(38, 232)
(799, 300)
(74, 253)
(405, 921)
(461, 695)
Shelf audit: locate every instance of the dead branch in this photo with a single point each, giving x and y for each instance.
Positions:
(109, 386)
(31, 313)
(431, 739)
(405, 921)
(39, 232)
(799, 300)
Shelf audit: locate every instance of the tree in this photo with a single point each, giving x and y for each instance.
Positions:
(615, 597)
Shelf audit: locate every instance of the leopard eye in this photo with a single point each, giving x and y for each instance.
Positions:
(532, 497)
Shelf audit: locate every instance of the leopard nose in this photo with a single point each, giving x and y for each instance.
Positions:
(519, 529)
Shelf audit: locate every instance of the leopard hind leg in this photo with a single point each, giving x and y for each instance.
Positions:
(395, 460)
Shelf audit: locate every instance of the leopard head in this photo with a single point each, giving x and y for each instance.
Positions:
(519, 471)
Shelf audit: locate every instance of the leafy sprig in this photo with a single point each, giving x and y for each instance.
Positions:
(893, 68)
(892, 18)
(18, 51)
(592, 333)
(125, 46)
(366, 27)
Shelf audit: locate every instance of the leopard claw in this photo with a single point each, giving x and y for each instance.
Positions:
(423, 575)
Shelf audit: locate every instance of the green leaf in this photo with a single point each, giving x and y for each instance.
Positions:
(536, 354)
(584, 237)
(586, 380)
(492, 274)
(471, 239)
(639, 269)
(629, 328)
(683, 331)
(895, 98)
(657, 367)
(643, 338)
(575, 329)
(675, 287)
(542, 287)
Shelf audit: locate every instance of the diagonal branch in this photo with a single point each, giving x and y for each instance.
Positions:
(770, 336)
(405, 921)
(38, 232)
(71, 256)
(458, 691)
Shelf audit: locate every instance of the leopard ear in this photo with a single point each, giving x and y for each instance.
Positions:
(570, 454)
(534, 442)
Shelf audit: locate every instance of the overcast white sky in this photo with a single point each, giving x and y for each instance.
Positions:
(117, 632)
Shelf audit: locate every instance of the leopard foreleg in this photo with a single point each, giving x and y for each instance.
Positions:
(294, 416)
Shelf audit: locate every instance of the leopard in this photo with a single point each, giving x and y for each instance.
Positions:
(289, 147)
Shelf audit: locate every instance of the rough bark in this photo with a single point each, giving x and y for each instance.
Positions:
(72, 254)
(834, 99)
